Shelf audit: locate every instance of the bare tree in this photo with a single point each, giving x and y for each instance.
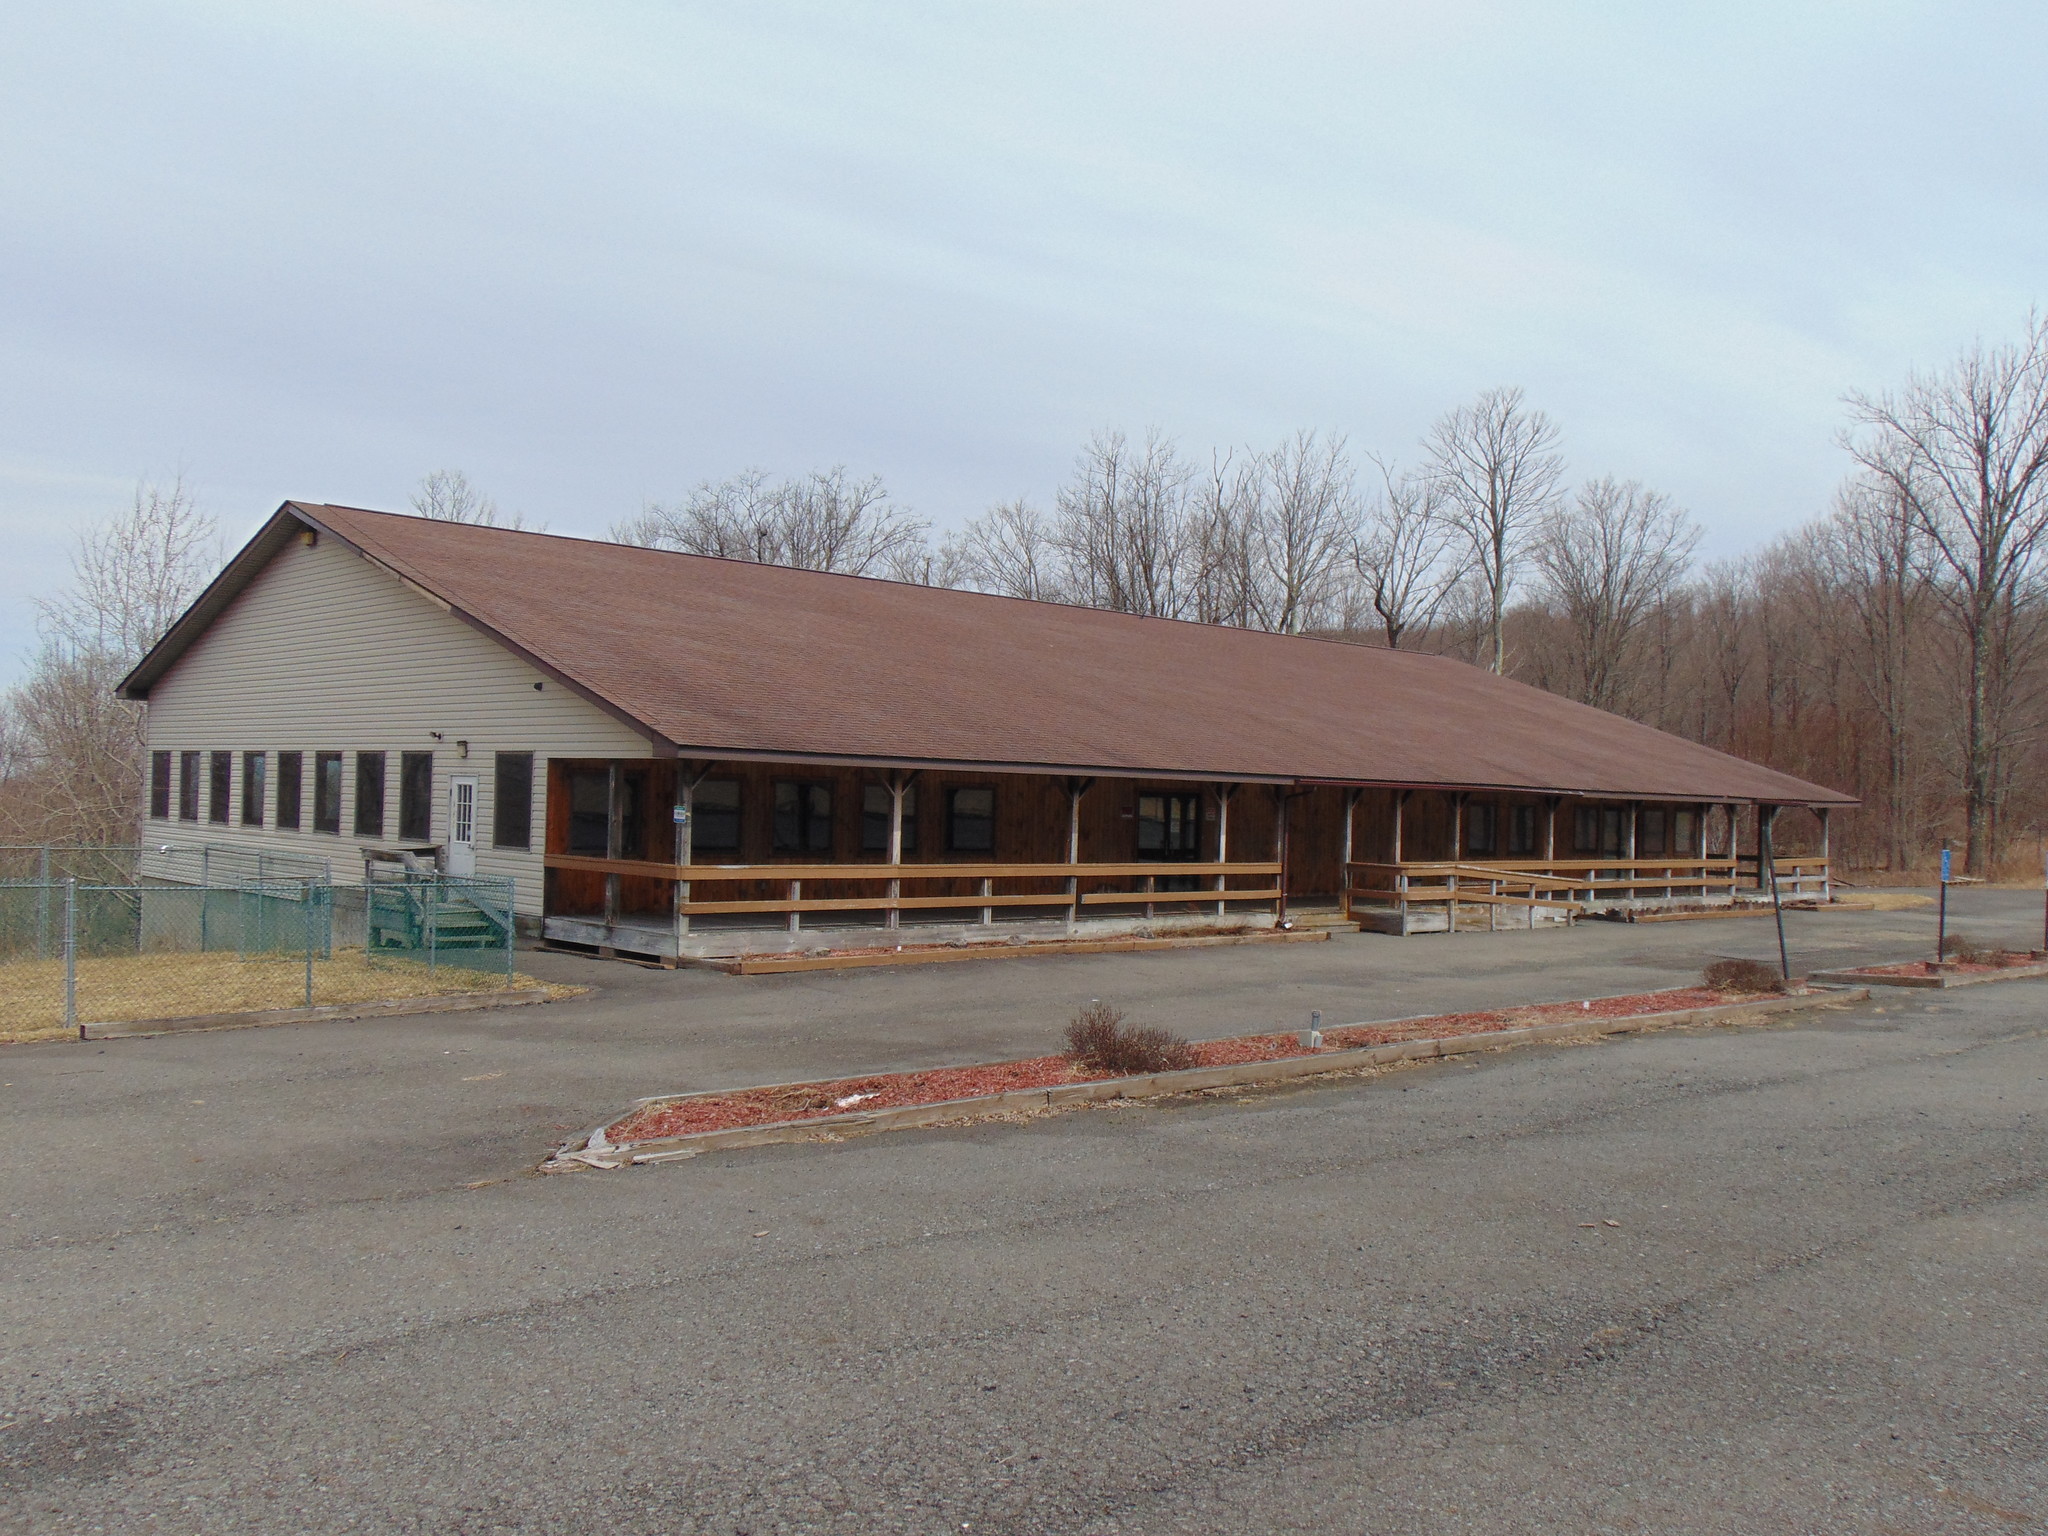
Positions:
(1010, 550)
(823, 521)
(1408, 555)
(77, 748)
(1303, 524)
(1225, 510)
(1872, 563)
(1497, 466)
(1607, 560)
(446, 496)
(1123, 528)
(132, 575)
(1966, 449)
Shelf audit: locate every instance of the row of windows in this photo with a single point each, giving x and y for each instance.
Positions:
(1598, 830)
(205, 781)
(801, 818)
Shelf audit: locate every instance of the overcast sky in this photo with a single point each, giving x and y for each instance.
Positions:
(592, 254)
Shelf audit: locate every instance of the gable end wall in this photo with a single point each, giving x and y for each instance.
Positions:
(326, 652)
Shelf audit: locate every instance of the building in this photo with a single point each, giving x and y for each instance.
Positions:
(681, 756)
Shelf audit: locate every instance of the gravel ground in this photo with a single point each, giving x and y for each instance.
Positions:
(1776, 1279)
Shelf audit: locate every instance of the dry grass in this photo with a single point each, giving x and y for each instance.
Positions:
(1890, 901)
(127, 987)
(1743, 976)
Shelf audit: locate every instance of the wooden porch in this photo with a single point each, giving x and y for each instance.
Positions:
(674, 859)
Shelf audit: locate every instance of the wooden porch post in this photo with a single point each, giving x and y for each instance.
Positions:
(1224, 792)
(1344, 851)
(688, 777)
(1635, 822)
(1827, 870)
(1394, 857)
(1457, 854)
(1551, 803)
(1280, 850)
(614, 842)
(899, 784)
(1076, 788)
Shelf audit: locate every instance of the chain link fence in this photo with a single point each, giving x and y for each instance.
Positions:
(75, 953)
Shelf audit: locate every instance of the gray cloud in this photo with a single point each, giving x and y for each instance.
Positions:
(594, 254)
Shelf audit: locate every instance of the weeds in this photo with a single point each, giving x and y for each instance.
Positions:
(1099, 1039)
(1742, 976)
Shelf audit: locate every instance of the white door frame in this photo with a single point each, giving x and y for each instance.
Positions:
(462, 825)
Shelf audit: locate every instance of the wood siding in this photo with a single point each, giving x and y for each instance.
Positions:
(325, 652)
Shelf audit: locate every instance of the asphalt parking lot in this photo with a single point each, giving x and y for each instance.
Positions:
(1787, 1278)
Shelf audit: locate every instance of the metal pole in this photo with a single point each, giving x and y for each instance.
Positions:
(1941, 911)
(1770, 859)
(512, 925)
(306, 916)
(43, 903)
(71, 956)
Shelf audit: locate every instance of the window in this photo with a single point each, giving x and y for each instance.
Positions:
(220, 785)
(1598, 831)
(1522, 829)
(590, 800)
(512, 801)
(874, 819)
(803, 817)
(188, 785)
(369, 794)
(1684, 834)
(715, 817)
(971, 821)
(291, 773)
(255, 767)
(1480, 819)
(160, 786)
(1169, 826)
(1650, 832)
(326, 791)
(415, 796)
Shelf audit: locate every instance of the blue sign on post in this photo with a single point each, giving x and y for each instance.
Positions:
(1944, 866)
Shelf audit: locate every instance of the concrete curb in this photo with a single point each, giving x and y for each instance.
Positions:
(780, 965)
(458, 1002)
(1860, 978)
(593, 1149)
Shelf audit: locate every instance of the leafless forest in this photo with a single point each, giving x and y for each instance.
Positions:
(1895, 646)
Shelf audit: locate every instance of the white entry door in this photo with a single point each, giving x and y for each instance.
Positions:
(462, 826)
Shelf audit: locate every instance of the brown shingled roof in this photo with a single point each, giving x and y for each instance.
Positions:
(722, 658)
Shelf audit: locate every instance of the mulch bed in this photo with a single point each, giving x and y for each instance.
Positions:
(893, 1090)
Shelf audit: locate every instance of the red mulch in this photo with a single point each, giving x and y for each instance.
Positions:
(893, 1090)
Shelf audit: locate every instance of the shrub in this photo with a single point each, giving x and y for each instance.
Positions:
(1742, 976)
(1960, 946)
(1099, 1039)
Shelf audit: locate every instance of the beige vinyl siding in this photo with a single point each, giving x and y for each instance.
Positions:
(325, 652)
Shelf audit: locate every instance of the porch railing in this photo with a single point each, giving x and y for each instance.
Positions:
(1136, 884)
(1571, 884)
